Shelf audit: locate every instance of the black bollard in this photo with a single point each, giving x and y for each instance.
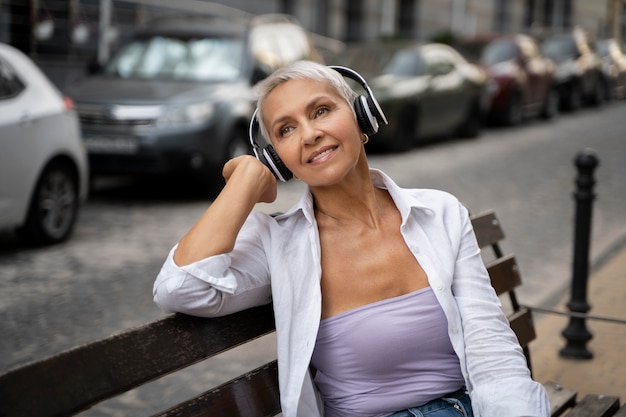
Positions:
(576, 332)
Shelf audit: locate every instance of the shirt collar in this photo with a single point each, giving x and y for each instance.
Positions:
(405, 199)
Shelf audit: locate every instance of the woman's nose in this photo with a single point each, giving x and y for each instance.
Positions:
(310, 134)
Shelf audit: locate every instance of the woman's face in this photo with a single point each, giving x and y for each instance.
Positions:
(313, 130)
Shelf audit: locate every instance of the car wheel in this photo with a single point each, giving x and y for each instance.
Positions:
(575, 98)
(597, 96)
(470, 128)
(406, 130)
(610, 90)
(513, 114)
(53, 208)
(550, 104)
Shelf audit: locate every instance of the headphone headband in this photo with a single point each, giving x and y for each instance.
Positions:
(352, 74)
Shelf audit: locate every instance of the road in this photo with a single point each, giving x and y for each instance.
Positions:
(100, 281)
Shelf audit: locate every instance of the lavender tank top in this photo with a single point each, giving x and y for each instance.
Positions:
(386, 356)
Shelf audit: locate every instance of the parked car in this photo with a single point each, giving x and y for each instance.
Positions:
(525, 80)
(614, 67)
(579, 74)
(177, 98)
(425, 90)
(43, 169)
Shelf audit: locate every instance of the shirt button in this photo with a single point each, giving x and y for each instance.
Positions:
(415, 249)
(454, 330)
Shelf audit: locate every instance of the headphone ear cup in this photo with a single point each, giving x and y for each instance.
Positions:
(276, 165)
(376, 111)
(365, 119)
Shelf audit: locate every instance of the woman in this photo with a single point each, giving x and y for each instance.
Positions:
(383, 306)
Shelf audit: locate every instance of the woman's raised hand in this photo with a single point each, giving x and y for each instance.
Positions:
(248, 172)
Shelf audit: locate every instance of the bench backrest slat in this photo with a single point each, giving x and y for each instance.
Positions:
(252, 394)
(504, 274)
(487, 229)
(522, 324)
(81, 377)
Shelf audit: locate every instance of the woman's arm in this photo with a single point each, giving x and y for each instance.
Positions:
(500, 379)
(206, 273)
(248, 182)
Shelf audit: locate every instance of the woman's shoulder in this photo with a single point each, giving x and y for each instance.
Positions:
(419, 195)
(434, 199)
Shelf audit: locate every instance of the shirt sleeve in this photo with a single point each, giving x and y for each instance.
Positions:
(221, 284)
(500, 381)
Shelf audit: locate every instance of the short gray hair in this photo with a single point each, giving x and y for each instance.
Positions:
(301, 70)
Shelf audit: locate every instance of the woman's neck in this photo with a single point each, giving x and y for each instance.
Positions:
(350, 204)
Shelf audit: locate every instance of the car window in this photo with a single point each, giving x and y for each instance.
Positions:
(406, 63)
(439, 61)
(195, 59)
(560, 49)
(10, 84)
(499, 51)
(604, 48)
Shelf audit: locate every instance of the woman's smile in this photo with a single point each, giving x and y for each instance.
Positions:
(322, 155)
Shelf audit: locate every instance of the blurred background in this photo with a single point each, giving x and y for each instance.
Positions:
(116, 117)
(64, 35)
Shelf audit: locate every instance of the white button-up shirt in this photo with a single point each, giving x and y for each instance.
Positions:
(277, 259)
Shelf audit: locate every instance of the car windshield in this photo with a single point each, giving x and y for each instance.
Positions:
(559, 49)
(603, 48)
(498, 51)
(169, 58)
(406, 63)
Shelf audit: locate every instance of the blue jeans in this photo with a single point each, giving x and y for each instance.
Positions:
(456, 404)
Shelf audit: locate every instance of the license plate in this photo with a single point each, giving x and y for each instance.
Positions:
(111, 145)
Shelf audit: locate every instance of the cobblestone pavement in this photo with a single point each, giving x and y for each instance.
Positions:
(100, 281)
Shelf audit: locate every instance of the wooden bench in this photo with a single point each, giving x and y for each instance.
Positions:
(505, 278)
(82, 377)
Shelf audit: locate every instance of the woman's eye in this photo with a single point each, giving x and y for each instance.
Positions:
(321, 110)
(284, 130)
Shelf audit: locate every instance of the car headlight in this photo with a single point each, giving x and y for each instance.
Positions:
(183, 115)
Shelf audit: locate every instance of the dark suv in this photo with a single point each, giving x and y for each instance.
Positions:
(177, 97)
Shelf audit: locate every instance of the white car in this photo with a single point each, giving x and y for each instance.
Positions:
(43, 162)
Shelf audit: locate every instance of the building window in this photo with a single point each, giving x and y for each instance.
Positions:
(557, 14)
(354, 18)
(501, 15)
(529, 14)
(406, 23)
(321, 23)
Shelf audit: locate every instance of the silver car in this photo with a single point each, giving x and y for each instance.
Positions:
(43, 163)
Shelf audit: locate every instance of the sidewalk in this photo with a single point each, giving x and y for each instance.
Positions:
(605, 373)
